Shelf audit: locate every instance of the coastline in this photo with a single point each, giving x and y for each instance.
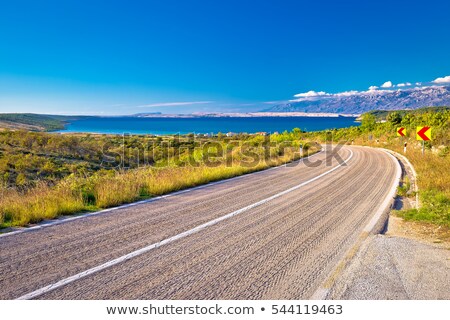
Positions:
(247, 115)
(62, 124)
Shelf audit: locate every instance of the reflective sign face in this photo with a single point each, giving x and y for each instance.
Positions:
(423, 133)
(401, 132)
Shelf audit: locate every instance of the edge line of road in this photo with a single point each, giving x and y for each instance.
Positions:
(184, 234)
(63, 219)
(374, 225)
(414, 173)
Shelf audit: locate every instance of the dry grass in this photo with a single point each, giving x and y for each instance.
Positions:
(136, 184)
(74, 195)
(38, 204)
(433, 179)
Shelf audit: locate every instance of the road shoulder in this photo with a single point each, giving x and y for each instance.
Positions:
(391, 267)
(410, 260)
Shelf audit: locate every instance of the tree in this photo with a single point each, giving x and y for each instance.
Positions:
(368, 122)
(394, 118)
(408, 119)
(296, 132)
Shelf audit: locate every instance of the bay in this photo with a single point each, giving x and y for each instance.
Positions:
(164, 126)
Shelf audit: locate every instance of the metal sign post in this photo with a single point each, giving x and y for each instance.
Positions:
(401, 132)
(424, 134)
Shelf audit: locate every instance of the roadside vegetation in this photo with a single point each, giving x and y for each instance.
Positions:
(31, 121)
(43, 176)
(378, 129)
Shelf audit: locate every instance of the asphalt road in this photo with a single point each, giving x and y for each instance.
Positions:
(275, 234)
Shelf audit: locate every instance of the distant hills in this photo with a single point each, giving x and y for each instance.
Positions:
(31, 122)
(359, 102)
(319, 104)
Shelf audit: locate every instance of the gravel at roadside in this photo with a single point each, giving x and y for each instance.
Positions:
(395, 268)
(404, 263)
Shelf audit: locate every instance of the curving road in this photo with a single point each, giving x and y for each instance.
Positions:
(275, 234)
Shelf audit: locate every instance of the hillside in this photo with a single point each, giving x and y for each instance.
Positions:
(381, 115)
(31, 122)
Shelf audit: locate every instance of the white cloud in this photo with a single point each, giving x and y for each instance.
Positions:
(387, 84)
(173, 104)
(423, 87)
(375, 92)
(386, 88)
(442, 80)
(311, 94)
(346, 93)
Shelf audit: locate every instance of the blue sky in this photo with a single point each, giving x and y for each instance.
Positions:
(125, 57)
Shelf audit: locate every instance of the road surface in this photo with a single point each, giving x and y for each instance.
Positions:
(275, 234)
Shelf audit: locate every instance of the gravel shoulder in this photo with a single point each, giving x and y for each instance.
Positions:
(410, 260)
(395, 268)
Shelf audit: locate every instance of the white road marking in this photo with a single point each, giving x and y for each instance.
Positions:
(389, 200)
(141, 251)
(87, 215)
(414, 173)
(322, 292)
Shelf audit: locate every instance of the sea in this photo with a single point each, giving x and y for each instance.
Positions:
(210, 125)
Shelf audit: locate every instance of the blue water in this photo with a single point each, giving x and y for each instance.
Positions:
(161, 126)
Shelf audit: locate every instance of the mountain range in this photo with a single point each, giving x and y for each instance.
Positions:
(357, 102)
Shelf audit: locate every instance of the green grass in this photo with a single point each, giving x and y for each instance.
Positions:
(404, 187)
(435, 209)
(434, 187)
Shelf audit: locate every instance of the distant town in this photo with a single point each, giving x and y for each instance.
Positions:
(245, 115)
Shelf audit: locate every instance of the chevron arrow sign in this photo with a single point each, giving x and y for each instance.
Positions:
(423, 133)
(401, 132)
